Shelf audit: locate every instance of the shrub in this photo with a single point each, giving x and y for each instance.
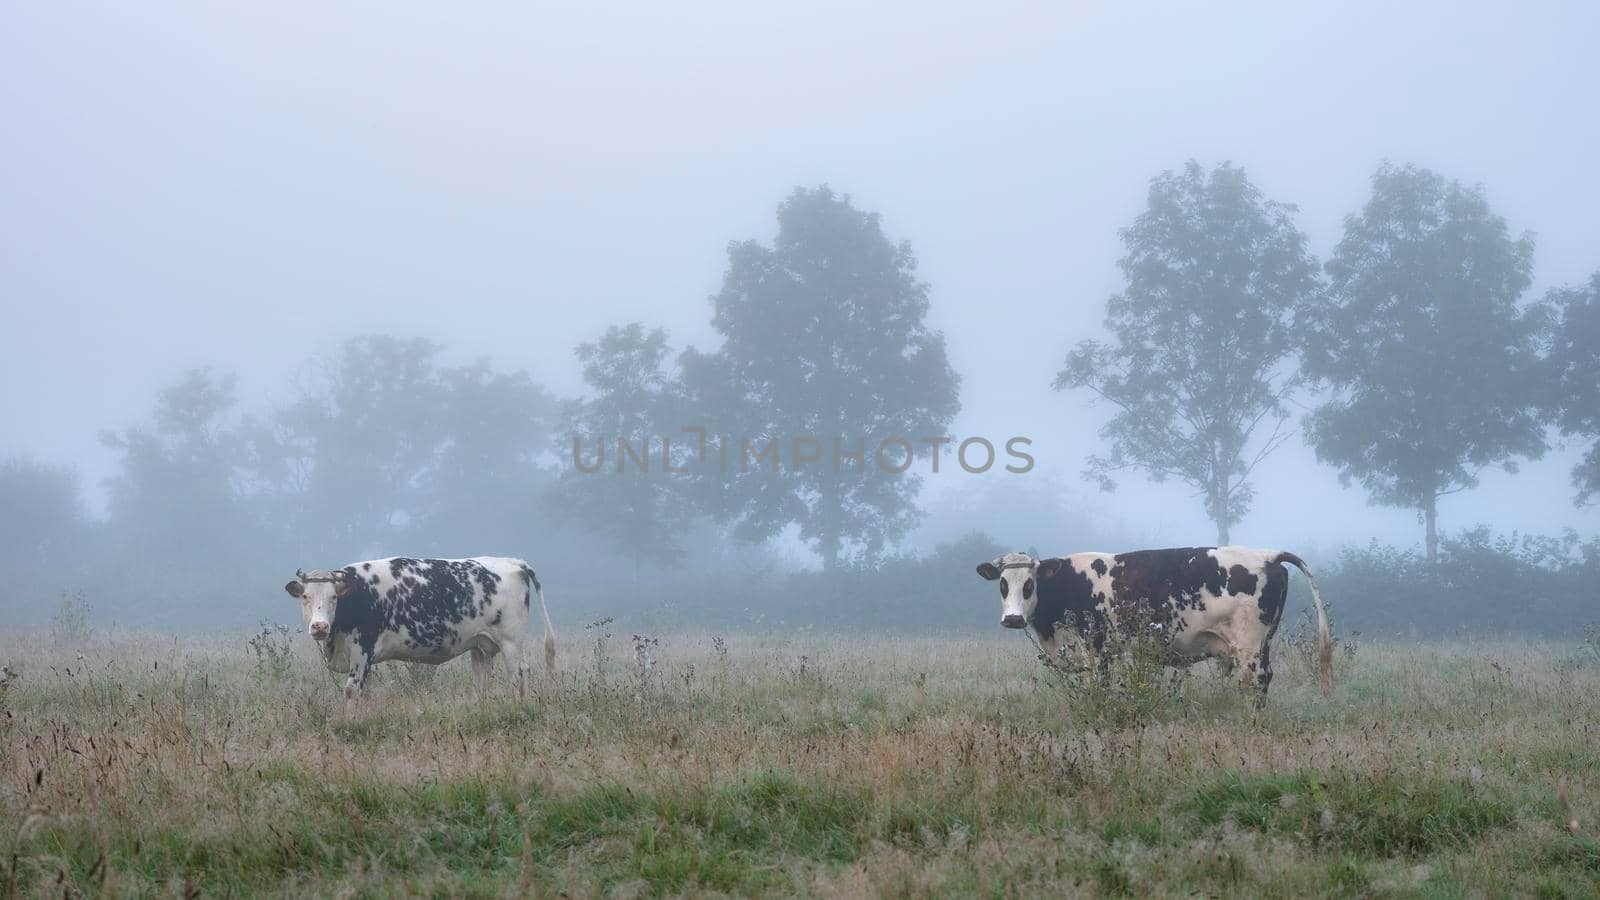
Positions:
(69, 627)
(8, 677)
(272, 651)
(1124, 683)
(1481, 584)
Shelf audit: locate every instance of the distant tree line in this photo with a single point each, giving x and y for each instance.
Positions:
(1425, 361)
(386, 449)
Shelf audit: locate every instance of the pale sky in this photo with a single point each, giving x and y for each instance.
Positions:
(245, 185)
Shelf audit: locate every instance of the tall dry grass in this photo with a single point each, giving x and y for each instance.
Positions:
(793, 763)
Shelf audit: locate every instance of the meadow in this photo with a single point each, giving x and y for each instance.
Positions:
(794, 763)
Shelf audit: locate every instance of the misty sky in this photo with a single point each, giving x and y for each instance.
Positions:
(245, 185)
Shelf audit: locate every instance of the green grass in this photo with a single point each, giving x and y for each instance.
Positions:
(1372, 814)
(893, 768)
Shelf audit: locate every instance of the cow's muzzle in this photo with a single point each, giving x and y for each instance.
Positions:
(319, 632)
(1013, 621)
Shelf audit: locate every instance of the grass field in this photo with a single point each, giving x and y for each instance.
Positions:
(800, 764)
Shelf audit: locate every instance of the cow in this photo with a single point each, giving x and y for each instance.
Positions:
(423, 610)
(1202, 602)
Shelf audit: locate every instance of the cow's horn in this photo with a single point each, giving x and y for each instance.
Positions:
(300, 574)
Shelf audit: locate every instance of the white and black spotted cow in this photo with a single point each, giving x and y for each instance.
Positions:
(423, 610)
(1204, 602)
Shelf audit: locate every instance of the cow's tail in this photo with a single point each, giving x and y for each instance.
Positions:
(1324, 634)
(549, 633)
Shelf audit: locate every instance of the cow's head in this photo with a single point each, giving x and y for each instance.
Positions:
(319, 593)
(1019, 575)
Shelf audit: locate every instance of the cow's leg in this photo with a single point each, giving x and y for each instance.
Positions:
(517, 662)
(1102, 659)
(482, 669)
(1256, 672)
(1177, 677)
(1264, 672)
(360, 668)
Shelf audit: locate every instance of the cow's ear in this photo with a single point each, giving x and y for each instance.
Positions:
(988, 571)
(295, 589)
(343, 584)
(1048, 568)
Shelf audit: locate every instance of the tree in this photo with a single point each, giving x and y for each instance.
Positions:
(1575, 363)
(1433, 365)
(354, 448)
(630, 500)
(178, 493)
(386, 450)
(1214, 272)
(485, 484)
(824, 339)
(182, 522)
(43, 527)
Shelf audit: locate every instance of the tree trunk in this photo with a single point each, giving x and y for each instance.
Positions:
(1219, 510)
(1430, 515)
(828, 542)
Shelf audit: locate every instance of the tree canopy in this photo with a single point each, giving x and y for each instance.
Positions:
(1575, 363)
(1196, 366)
(178, 491)
(635, 403)
(825, 338)
(45, 525)
(1432, 361)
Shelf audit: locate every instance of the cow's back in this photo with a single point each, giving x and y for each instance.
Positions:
(431, 609)
(1167, 583)
(1205, 596)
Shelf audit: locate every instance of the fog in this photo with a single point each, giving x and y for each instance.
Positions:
(248, 189)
